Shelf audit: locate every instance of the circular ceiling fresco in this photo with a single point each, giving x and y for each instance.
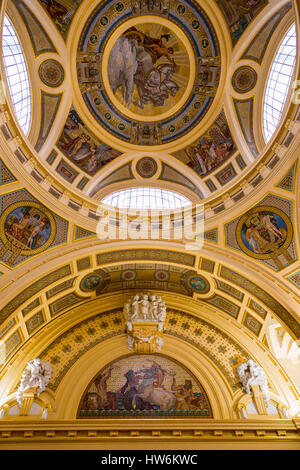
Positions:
(148, 71)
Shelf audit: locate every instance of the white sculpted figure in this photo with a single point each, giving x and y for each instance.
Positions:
(134, 314)
(36, 373)
(139, 310)
(250, 373)
(153, 307)
(144, 307)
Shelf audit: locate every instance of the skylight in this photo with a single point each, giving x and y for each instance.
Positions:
(278, 83)
(146, 198)
(17, 75)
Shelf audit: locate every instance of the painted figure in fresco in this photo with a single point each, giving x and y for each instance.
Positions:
(209, 154)
(269, 223)
(16, 227)
(239, 14)
(40, 224)
(54, 8)
(28, 227)
(262, 233)
(82, 148)
(151, 387)
(61, 12)
(130, 390)
(153, 375)
(132, 63)
(183, 393)
(106, 400)
(186, 398)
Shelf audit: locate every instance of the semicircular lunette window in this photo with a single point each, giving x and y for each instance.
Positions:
(278, 83)
(146, 198)
(17, 75)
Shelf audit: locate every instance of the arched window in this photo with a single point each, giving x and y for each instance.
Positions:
(146, 198)
(278, 83)
(17, 75)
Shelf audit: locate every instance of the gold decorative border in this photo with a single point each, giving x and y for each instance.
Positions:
(38, 206)
(253, 211)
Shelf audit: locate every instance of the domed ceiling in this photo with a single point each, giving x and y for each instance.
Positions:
(150, 94)
(175, 83)
(148, 73)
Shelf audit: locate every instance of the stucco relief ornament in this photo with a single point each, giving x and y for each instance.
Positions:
(250, 374)
(36, 374)
(145, 315)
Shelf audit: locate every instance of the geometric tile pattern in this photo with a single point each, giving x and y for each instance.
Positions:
(5, 175)
(33, 289)
(63, 352)
(252, 324)
(295, 278)
(257, 308)
(279, 310)
(82, 233)
(146, 254)
(288, 182)
(34, 322)
(223, 286)
(224, 304)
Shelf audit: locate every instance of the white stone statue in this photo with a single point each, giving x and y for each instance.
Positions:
(36, 373)
(130, 342)
(144, 307)
(250, 373)
(159, 342)
(138, 311)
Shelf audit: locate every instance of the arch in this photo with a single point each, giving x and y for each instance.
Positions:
(82, 372)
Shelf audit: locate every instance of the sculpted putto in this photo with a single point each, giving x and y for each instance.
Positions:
(36, 373)
(140, 310)
(250, 373)
(144, 308)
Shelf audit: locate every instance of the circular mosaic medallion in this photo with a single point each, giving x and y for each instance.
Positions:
(199, 284)
(27, 228)
(91, 282)
(156, 66)
(146, 167)
(244, 79)
(141, 75)
(161, 275)
(264, 232)
(51, 73)
(128, 275)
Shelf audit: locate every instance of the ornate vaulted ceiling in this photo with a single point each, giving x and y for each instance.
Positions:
(160, 94)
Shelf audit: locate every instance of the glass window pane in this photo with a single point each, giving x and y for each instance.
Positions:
(17, 75)
(278, 83)
(146, 198)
